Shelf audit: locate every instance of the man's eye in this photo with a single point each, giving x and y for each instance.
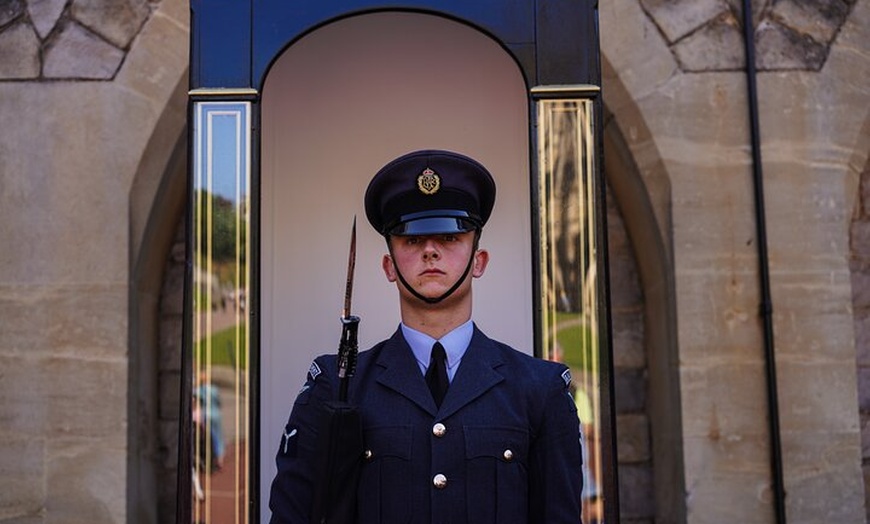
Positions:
(450, 238)
(412, 240)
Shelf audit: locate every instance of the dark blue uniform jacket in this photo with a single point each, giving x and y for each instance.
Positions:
(505, 444)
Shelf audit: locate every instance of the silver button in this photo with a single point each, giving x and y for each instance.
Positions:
(508, 455)
(439, 429)
(368, 454)
(439, 481)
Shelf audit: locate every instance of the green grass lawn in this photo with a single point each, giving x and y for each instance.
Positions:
(223, 347)
(577, 341)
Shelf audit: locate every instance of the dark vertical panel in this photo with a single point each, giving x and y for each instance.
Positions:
(567, 42)
(220, 44)
(277, 23)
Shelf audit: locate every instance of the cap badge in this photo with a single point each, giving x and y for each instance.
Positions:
(429, 182)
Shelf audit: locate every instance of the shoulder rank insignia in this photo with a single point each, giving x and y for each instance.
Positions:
(428, 182)
(566, 376)
(314, 370)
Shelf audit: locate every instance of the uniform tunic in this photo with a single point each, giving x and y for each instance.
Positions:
(504, 447)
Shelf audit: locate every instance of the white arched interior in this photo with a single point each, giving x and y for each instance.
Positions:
(336, 106)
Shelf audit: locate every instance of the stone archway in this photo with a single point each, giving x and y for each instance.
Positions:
(157, 203)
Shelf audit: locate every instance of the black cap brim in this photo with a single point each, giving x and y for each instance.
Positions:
(434, 222)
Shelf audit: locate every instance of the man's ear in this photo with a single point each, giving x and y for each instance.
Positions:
(481, 259)
(389, 268)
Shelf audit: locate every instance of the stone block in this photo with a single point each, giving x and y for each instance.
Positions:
(178, 253)
(628, 340)
(170, 395)
(635, 492)
(86, 320)
(153, 71)
(807, 213)
(859, 234)
(860, 281)
(865, 437)
(167, 497)
(56, 221)
(724, 402)
(710, 149)
(812, 317)
(722, 471)
(118, 21)
(633, 438)
(44, 14)
(630, 391)
(36, 518)
(779, 47)
(76, 53)
(60, 396)
(22, 489)
(19, 52)
(719, 317)
(865, 196)
(625, 289)
(861, 323)
(847, 65)
(816, 397)
(864, 389)
(717, 46)
(168, 446)
(677, 18)
(820, 20)
(635, 48)
(172, 294)
(10, 10)
(83, 480)
(178, 11)
(170, 342)
(823, 477)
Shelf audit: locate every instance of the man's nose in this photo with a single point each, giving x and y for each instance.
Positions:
(430, 250)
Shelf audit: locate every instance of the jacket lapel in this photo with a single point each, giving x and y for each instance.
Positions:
(476, 374)
(402, 374)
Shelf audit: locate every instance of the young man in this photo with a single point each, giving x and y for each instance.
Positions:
(458, 428)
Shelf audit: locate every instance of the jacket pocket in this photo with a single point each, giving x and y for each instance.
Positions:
(497, 466)
(384, 491)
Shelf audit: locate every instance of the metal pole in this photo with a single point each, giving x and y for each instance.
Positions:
(764, 272)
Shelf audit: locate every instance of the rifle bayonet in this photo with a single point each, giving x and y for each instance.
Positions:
(348, 346)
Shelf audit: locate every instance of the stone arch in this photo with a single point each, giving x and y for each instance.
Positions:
(643, 200)
(157, 203)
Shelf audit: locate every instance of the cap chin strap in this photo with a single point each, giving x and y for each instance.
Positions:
(450, 291)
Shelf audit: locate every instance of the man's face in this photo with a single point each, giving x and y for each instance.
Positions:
(432, 264)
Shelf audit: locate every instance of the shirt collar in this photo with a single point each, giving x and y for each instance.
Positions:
(455, 343)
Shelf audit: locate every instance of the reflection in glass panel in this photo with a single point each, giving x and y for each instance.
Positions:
(569, 275)
(221, 240)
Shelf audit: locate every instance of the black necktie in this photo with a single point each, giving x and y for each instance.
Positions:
(436, 375)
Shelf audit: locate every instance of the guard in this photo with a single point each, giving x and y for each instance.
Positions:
(457, 427)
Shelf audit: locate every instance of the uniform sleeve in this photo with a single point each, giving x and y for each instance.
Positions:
(556, 463)
(292, 487)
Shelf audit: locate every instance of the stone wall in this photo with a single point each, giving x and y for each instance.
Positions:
(169, 375)
(60, 40)
(675, 88)
(82, 85)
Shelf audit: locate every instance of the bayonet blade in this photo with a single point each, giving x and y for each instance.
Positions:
(351, 263)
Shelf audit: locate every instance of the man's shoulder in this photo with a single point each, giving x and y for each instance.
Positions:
(529, 365)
